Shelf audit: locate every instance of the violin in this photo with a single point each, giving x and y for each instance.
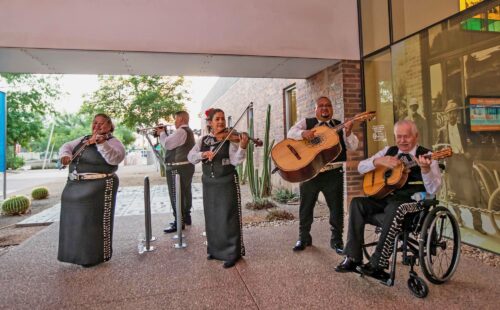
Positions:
(233, 135)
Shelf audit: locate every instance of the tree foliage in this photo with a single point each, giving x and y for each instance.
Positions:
(137, 100)
(29, 98)
(69, 126)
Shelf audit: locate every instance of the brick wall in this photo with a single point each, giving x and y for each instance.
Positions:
(340, 82)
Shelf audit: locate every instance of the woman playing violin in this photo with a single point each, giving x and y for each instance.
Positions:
(221, 191)
(88, 199)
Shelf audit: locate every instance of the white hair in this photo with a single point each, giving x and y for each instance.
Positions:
(413, 127)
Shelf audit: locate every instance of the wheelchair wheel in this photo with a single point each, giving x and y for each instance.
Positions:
(439, 250)
(372, 234)
(418, 287)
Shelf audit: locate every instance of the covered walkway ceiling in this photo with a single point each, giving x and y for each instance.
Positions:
(228, 38)
(148, 63)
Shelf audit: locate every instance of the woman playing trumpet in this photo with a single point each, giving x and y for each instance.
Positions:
(88, 199)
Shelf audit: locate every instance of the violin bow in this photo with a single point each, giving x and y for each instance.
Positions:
(217, 149)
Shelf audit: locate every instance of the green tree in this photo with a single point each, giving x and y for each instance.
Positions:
(69, 126)
(29, 98)
(138, 100)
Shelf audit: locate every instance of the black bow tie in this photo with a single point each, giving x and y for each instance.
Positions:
(323, 124)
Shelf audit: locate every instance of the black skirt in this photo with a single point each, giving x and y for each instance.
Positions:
(86, 225)
(222, 207)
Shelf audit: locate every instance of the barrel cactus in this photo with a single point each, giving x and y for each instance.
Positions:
(40, 193)
(16, 205)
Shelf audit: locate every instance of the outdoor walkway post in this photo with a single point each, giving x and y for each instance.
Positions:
(178, 210)
(147, 219)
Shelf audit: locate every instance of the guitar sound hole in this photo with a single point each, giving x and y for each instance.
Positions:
(388, 174)
(316, 141)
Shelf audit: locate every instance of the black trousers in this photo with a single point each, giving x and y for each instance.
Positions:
(360, 210)
(186, 174)
(331, 184)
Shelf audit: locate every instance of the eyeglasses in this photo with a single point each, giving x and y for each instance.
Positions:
(324, 106)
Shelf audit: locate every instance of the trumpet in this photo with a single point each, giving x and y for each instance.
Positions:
(154, 128)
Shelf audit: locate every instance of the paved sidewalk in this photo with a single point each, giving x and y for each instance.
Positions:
(129, 201)
(270, 277)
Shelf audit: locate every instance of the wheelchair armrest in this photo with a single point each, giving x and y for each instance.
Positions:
(427, 203)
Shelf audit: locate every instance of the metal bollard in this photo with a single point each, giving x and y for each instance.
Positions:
(178, 210)
(147, 219)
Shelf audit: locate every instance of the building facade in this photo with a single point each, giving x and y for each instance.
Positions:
(436, 63)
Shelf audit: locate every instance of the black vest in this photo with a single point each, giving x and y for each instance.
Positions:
(312, 122)
(415, 174)
(180, 153)
(90, 160)
(221, 163)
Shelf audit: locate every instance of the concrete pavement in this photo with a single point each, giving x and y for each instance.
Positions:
(271, 276)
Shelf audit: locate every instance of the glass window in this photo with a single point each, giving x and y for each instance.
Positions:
(408, 80)
(379, 97)
(375, 25)
(447, 77)
(290, 107)
(410, 16)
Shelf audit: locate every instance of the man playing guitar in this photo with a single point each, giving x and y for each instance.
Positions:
(330, 181)
(424, 177)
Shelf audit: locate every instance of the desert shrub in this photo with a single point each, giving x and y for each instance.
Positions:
(279, 215)
(283, 195)
(260, 204)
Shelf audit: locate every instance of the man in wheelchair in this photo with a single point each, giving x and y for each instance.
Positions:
(423, 177)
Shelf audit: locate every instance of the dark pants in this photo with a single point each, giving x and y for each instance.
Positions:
(186, 175)
(360, 210)
(331, 184)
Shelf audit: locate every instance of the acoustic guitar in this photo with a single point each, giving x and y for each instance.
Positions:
(382, 181)
(301, 160)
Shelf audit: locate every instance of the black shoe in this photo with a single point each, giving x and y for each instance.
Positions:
(187, 220)
(172, 228)
(337, 246)
(229, 263)
(301, 245)
(347, 265)
(210, 257)
(377, 273)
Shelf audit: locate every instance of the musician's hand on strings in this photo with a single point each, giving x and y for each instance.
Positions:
(308, 135)
(65, 160)
(92, 139)
(424, 163)
(387, 161)
(243, 140)
(348, 128)
(208, 155)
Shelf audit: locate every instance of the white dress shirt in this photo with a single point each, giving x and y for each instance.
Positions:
(112, 150)
(455, 141)
(176, 139)
(296, 131)
(236, 153)
(432, 179)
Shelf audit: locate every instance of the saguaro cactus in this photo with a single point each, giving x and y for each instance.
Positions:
(260, 186)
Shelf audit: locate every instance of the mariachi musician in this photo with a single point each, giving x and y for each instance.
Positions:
(424, 177)
(177, 146)
(220, 154)
(88, 199)
(330, 181)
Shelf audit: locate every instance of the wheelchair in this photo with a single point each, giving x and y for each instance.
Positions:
(429, 238)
